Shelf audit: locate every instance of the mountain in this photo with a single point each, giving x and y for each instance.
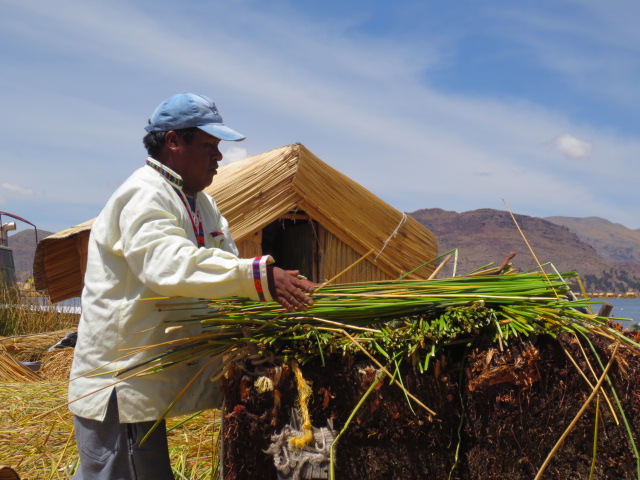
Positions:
(488, 236)
(606, 255)
(23, 244)
(614, 242)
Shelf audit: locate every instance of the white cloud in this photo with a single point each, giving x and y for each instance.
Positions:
(233, 154)
(17, 189)
(573, 147)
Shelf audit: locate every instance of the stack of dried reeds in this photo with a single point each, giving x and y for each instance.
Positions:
(14, 350)
(59, 262)
(36, 434)
(33, 346)
(56, 364)
(11, 370)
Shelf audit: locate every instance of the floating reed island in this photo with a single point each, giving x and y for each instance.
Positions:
(487, 376)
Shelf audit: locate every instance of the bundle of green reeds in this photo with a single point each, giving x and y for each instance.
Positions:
(394, 320)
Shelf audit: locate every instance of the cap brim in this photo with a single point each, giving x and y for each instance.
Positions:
(222, 132)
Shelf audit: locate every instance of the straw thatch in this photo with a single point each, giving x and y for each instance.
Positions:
(289, 184)
(292, 183)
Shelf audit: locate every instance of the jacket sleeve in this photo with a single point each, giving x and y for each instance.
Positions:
(154, 242)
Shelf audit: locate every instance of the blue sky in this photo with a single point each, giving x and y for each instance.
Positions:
(457, 105)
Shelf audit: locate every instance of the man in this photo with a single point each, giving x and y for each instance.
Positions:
(158, 235)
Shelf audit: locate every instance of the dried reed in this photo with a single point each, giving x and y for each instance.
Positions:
(31, 347)
(45, 448)
(56, 364)
(12, 370)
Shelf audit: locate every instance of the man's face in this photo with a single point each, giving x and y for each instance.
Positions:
(196, 162)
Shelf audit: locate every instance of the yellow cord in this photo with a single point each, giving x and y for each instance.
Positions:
(304, 392)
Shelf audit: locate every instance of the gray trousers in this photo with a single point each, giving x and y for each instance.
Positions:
(110, 450)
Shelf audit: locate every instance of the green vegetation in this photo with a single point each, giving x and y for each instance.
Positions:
(614, 280)
(395, 320)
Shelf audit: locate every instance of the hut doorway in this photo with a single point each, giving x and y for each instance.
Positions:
(293, 242)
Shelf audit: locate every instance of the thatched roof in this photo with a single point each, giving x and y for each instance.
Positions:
(258, 190)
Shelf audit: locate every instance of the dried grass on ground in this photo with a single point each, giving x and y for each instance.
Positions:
(36, 428)
(37, 448)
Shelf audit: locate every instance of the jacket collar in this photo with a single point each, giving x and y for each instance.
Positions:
(171, 176)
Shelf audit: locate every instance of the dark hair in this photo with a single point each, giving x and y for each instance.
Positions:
(154, 141)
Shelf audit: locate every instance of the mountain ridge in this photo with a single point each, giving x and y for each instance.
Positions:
(24, 243)
(606, 255)
(613, 241)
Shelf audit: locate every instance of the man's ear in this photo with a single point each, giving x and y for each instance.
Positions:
(172, 140)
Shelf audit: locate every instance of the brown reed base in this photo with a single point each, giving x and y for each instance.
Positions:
(498, 415)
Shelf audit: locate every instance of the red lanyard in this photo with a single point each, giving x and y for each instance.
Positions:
(198, 229)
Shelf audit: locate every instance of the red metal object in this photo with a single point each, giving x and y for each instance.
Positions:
(21, 219)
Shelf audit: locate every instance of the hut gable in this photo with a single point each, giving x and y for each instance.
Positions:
(292, 183)
(291, 204)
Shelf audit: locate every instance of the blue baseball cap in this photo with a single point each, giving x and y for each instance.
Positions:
(186, 110)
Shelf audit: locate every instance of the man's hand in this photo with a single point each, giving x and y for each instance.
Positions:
(288, 288)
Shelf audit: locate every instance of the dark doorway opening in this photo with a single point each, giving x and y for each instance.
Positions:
(292, 242)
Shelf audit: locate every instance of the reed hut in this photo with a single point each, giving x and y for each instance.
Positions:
(288, 203)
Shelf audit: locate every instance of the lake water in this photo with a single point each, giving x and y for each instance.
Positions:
(623, 308)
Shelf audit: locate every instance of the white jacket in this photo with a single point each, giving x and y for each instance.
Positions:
(142, 245)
